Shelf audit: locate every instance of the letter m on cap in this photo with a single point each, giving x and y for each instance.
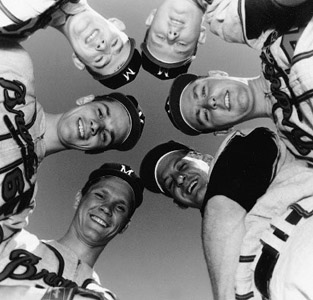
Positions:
(128, 73)
(128, 172)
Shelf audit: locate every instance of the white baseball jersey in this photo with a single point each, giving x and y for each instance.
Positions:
(21, 18)
(22, 126)
(26, 260)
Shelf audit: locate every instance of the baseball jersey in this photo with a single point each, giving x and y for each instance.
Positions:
(22, 148)
(26, 260)
(21, 18)
(285, 37)
(293, 182)
(244, 167)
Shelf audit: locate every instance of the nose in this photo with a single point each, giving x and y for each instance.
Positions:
(172, 34)
(101, 45)
(212, 103)
(107, 210)
(95, 126)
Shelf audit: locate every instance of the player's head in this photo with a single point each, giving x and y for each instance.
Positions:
(107, 202)
(198, 104)
(102, 48)
(113, 121)
(178, 172)
(174, 31)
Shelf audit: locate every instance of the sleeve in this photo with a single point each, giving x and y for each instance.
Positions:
(244, 169)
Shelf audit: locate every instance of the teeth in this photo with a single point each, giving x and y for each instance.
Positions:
(92, 36)
(191, 186)
(227, 102)
(100, 221)
(81, 128)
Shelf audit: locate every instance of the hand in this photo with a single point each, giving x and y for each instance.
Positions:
(85, 99)
(105, 292)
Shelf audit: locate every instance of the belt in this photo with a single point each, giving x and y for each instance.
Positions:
(268, 259)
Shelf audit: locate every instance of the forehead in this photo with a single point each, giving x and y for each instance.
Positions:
(167, 164)
(116, 186)
(118, 60)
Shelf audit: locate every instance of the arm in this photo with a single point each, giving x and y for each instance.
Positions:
(222, 233)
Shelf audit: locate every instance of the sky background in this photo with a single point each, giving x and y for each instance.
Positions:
(160, 256)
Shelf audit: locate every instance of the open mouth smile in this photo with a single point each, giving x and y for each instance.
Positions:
(81, 129)
(99, 221)
(227, 100)
(192, 186)
(92, 36)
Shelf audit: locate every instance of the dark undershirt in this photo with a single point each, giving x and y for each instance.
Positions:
(262, 15)
(243, 170)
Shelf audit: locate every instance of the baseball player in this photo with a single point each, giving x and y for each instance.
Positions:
(174, 31)
(28, 134)
(246, 167)
(282, 92)
(102, 47)
(64, 269)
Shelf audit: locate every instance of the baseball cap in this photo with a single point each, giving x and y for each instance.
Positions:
(173, 104)
(160, 69)
(122, 171)
(151, 161)
(136, 115)
(126, 74)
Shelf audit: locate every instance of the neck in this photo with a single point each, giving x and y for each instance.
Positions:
(262, 103)
(86, 253)
(52, 141)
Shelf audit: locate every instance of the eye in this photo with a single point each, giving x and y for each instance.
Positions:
(114, 43)
(203, 92)
(181, 43)
(121, 208)
(100, 113)
(99, 195)
(181, 166)
(161, 37)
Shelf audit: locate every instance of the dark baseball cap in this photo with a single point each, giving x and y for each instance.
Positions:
(126, 74)
(150, 162)
(160, 69)
(137, 118)
(122, 171)
(173, 104)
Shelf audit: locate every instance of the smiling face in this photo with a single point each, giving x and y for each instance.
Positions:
(97, 125)
(104, 210)
(175, 30)
(184, 178)
(216, 103)
(97, 42)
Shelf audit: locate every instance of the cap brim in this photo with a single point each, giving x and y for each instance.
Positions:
(174, 99)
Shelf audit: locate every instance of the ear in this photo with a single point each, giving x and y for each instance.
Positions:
(78, 197)
(118, 23)
(217, 73)
(84, 100)
(202, 36)
(77, 62)
(125, 227)
(151, 17)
